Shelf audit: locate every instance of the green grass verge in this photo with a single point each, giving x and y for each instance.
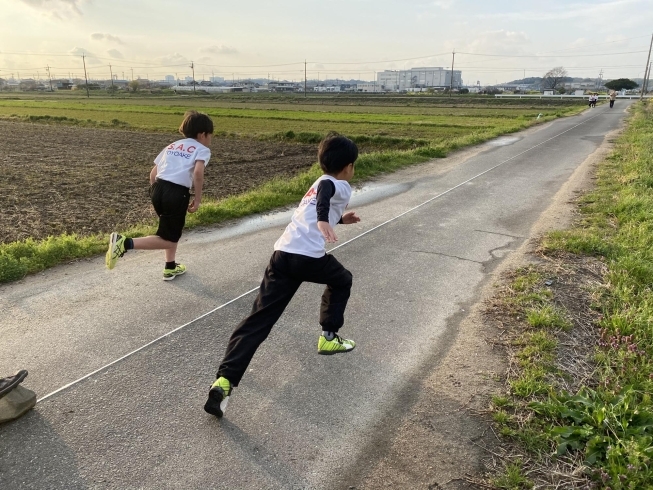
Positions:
(611, 426)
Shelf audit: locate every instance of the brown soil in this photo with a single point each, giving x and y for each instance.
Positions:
(61, 179)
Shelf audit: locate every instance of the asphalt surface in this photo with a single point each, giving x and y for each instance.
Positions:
(298, 419)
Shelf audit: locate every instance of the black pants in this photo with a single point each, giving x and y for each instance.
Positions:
(170, 202)
(282, 278)
(611, 104)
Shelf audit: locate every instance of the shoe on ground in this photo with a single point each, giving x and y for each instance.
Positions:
(335, 346)
(218, 397)
(170, 274)
(116, 250)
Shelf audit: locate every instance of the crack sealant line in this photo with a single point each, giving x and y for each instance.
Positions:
(334, 248)
(146, 345)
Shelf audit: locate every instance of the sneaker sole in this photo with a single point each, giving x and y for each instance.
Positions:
(172, 277)
(112, 243)
(217, 402)
(332, 352)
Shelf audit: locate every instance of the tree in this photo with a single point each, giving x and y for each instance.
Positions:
(621, 84)
(134, 85)
(554, 78)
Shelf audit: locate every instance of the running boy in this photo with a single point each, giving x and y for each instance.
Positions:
(177, 168)
(299, 255)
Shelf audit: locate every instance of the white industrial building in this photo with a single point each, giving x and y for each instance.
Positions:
(420, 77)
(369, 87)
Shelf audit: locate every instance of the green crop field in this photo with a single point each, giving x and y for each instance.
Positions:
(438, 121)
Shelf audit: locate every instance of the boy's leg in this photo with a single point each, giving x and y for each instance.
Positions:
(170, 202)
(153, 242)
(277, 289)
(327, 270)
(170, 253)
(338, 282)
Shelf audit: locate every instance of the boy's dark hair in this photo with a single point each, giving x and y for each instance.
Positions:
(195, 123)
(336, 152)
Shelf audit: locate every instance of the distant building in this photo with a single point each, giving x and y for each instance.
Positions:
(282, 86)
(368, 87)
(170, 78)
(216, 79)
(420, 77)
(330, 88)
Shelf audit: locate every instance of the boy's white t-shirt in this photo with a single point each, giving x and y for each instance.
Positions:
(176, 163)
(302, 235)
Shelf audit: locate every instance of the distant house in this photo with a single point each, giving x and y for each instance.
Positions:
(282, 86)
(62, 84)
(330, 88)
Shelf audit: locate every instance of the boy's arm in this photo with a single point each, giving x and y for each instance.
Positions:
(349, 218)
(325, 191)
(153, 173)
(198, 183)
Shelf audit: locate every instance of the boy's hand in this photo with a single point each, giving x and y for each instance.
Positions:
(327, 232)
(194, 205)
(350, 218)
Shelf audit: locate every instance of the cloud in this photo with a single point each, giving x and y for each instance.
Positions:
(91, 58)
(444, 4)
(499, 42)
(566, 12)
(173, 59)
(56, 8)
(114, 53)
(99, 36)
(219, 49)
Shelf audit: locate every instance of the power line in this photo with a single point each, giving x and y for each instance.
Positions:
(549, 56)
(373, 62)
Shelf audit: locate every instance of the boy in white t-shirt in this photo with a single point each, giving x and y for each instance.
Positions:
(177, 168)
(299, 255)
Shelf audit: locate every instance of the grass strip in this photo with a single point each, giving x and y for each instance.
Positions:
(17, 259)
(607, 427)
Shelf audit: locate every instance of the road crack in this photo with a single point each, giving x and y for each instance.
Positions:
(447, 255)
(497, 233)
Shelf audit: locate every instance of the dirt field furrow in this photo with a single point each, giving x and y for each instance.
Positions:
(60, 179)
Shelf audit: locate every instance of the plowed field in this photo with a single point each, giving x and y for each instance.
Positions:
(61, 179)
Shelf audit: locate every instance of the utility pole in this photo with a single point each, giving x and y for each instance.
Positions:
(111, 73)
(48, 68)
(647, 75)
(453, 58)
(304, 77)
(641, 96)
(132, 74)
(85, 76)
(192, 65)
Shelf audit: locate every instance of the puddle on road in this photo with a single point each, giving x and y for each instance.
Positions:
(361, 196)
(505, 141)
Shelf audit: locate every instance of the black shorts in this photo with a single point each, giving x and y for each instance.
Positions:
(170, 202)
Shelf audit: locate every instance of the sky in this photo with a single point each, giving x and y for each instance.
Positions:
(494, 42)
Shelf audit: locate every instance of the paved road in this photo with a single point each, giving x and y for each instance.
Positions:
(297, 417)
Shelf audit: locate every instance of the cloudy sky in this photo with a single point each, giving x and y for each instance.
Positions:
(495, 41)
